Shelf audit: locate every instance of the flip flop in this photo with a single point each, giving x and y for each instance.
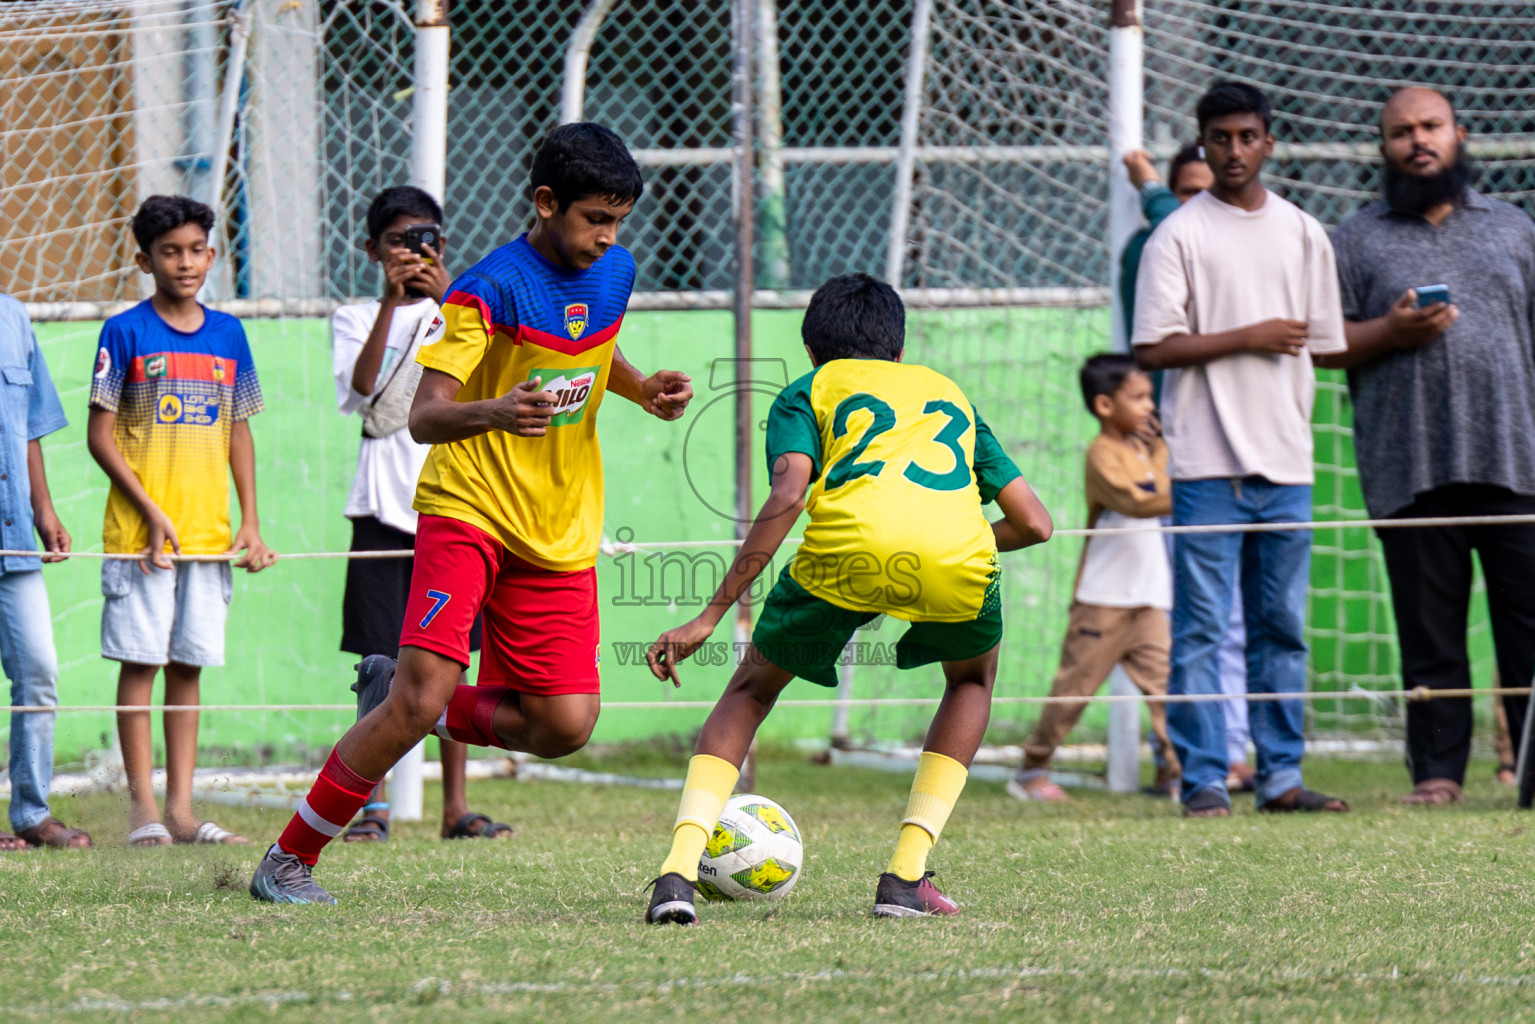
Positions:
(209, 834)
(1304, 800)
(464, 828)
(53, 833)
(11, 843)
(368, 829)
(152, 834)
(1045, 792)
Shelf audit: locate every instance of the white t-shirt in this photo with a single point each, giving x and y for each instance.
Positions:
(1127, 570)
(387, 467)
(1211, 267)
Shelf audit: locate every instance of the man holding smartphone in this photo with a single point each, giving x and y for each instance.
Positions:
(1438, 288)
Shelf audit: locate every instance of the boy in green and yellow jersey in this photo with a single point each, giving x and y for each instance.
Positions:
(894, 465)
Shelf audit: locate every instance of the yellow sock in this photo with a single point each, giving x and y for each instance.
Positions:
(934, 793)
(709, 782)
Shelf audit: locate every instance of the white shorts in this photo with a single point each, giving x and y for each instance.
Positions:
(169, 615)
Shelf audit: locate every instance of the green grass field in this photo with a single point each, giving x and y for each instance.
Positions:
(1113, 909)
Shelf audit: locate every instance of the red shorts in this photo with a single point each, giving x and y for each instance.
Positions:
(541, 632)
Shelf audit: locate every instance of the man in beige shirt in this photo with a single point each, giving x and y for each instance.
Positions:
(1237, 290)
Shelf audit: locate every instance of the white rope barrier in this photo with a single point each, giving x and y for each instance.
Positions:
(611, 548)
(1418, 694)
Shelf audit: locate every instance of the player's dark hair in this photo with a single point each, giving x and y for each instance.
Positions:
(1232, 98)
(400, 201)
(161, 215)
(584, 159)
(1190, 154)
(854, 317)
(1105, 374)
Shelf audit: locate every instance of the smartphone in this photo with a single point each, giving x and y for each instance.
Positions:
(1430, 294)
(417, 236)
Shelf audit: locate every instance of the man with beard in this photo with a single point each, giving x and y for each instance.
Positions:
(1444, 424)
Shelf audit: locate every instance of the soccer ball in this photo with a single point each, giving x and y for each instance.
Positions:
(755, 852)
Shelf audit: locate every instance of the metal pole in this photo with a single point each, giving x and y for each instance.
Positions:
(1126, 129)
(906, 160)
(429, 172)
(229, 101)
(1126, 94)
(741, 102)
(771, 211)
(573, 89)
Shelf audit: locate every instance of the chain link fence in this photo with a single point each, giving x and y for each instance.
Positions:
(291, 114)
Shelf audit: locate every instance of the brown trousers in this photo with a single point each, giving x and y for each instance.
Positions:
(1097, 639)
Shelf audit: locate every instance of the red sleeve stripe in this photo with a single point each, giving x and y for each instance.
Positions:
(474, 302)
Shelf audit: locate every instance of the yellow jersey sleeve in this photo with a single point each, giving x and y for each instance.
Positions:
(469, 322)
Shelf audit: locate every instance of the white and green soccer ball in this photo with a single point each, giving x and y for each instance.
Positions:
(755, 852)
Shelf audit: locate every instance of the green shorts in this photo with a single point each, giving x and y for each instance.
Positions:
(806, 635)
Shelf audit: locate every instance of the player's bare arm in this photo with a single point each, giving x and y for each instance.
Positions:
(664, 394)
(1279, 336)
(786, 500)
(1404, 326)
(242, 465)
(1025, 521)
(437, 418)
(102, 445)
(50, 530)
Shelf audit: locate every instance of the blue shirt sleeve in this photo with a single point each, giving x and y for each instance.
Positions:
(45, 413)
(113, 354)
(248, 401)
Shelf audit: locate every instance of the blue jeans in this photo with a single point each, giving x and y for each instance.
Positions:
(31, 664)
(1275, 569)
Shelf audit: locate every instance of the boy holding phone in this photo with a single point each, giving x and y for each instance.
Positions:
(375, 345)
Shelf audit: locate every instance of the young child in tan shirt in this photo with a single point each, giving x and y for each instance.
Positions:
(1124, 581)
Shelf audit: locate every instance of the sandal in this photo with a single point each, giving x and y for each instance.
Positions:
(209, 834)
(368, 829)
(464, 828)
(1207, 803)
(54, 833)
(152, 834)
(10, 843)
(1036, 789)
(1302, 799)
(1434, 793)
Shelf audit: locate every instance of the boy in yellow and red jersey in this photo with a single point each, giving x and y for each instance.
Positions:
(510, 499)
(171, 400)
(897, 465)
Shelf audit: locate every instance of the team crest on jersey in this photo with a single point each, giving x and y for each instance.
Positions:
(154, 366)
(218, 370)
(576, 317)
(433, 330)
(103, 363)
(572, 388)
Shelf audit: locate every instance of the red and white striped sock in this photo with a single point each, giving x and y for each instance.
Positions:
(338, 794)
(469, 716)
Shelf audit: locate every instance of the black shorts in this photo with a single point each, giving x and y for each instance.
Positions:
(373, 604)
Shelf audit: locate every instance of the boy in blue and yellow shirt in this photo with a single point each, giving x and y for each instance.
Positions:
(894, 465)
(173, 389)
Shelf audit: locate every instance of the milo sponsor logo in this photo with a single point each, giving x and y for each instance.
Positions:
(572, 388)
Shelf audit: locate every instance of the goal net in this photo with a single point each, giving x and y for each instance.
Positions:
(290, 114)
